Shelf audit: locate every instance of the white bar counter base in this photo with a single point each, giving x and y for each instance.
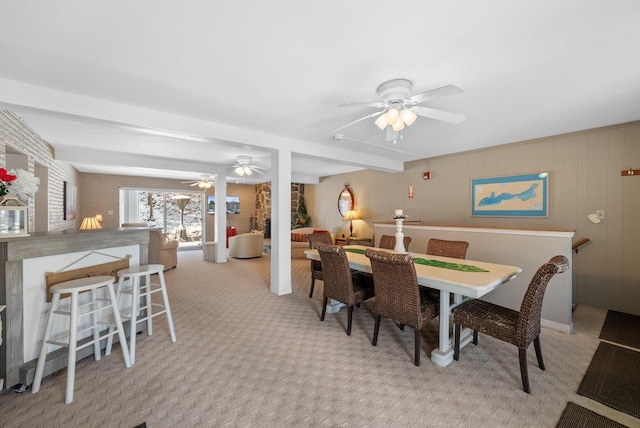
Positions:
(526, 248)
(23, 263)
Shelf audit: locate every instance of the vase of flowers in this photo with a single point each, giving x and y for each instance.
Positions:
(15, 184)
(18, 182)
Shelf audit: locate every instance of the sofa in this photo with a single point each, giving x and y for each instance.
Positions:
(246, 245)
(299, 243)
(162, 251)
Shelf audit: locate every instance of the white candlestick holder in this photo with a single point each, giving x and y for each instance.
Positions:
(399, 248)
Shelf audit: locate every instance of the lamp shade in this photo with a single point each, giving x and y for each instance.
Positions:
(392, 115)
(381, 121)
(90, 223)
(398, 125)
(99, 217)
(350, 215)
(408, 117)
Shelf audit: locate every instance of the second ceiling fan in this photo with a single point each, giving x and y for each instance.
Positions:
(400, 108)
(244, 167)
(205, 182)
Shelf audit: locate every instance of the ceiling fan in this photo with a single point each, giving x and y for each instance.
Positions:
(400, 108)
(205, 182)
(244, 168)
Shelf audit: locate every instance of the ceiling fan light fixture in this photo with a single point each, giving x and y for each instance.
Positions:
(239, 170)
(398, 125)
(381, 121)
(247, 171)
(392, 115)
(408, 117)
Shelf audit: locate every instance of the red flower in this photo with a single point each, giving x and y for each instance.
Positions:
(5, 176)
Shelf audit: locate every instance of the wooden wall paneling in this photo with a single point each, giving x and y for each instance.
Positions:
(631, 215)
(614, 220)
(530, 158)
(581, 216)
(597, 153)
(567, 151)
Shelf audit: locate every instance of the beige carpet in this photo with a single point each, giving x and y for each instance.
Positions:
(245, 357)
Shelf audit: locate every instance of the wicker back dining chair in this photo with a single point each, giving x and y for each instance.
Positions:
(316, 266)
(443, 248)
(398, 295)
(389, 242)
(340, 283)
(518, 328)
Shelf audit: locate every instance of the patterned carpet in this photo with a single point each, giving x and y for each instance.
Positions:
(245, 357)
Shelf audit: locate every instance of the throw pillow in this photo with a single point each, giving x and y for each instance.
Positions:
(298, 237)
(320, 231)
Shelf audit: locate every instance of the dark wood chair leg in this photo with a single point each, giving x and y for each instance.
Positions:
(401, 326)
(475, 337)
(457, 329)
(313, 282)
(522, 352)
(536, 344)
(324, 307)
(349, 319)
(376, 330)
(416, 360)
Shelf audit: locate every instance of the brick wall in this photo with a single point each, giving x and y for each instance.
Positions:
(19, 137)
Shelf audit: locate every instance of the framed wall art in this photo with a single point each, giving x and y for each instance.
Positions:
(70, 201)
(525, 195)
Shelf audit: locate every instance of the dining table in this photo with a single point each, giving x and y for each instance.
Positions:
(456, 279)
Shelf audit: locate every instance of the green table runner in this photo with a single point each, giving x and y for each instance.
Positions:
(434, 263)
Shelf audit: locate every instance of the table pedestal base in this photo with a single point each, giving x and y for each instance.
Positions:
(444, 358)
(334, 306)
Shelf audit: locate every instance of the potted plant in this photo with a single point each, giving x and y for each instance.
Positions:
(301, 218)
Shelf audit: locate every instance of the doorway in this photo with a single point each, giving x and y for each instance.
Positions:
(179, 214)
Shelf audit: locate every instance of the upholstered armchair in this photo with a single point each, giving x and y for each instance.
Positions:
(246, 245)
(162, 251)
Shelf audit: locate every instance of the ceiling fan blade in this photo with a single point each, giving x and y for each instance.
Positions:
(442, 115)
(358, 120)
(363, 104)
(443, 91)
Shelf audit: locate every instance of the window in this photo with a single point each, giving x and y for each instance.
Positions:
(179, 214)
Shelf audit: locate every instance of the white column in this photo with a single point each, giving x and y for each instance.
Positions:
(281, 222)
(220, 223)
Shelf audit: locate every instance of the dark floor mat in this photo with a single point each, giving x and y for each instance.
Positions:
(621, 328)
(575, 416)
(613, 378)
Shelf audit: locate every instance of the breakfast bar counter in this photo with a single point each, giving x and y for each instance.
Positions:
(24, 260)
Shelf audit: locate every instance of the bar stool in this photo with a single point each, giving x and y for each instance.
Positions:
(138, 290)
(75, 287)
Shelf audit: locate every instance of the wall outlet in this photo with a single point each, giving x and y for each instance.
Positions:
(600, 214)
(109, 212)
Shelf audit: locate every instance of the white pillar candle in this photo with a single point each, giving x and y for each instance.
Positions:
(397, 213)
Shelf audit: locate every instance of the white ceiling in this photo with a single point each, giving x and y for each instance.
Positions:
(166, 88)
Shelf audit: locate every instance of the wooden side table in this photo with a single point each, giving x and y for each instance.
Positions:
(341, 241)
(359, 241)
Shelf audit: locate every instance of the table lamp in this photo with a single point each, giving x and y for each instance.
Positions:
(350, 216)
(90, 223)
